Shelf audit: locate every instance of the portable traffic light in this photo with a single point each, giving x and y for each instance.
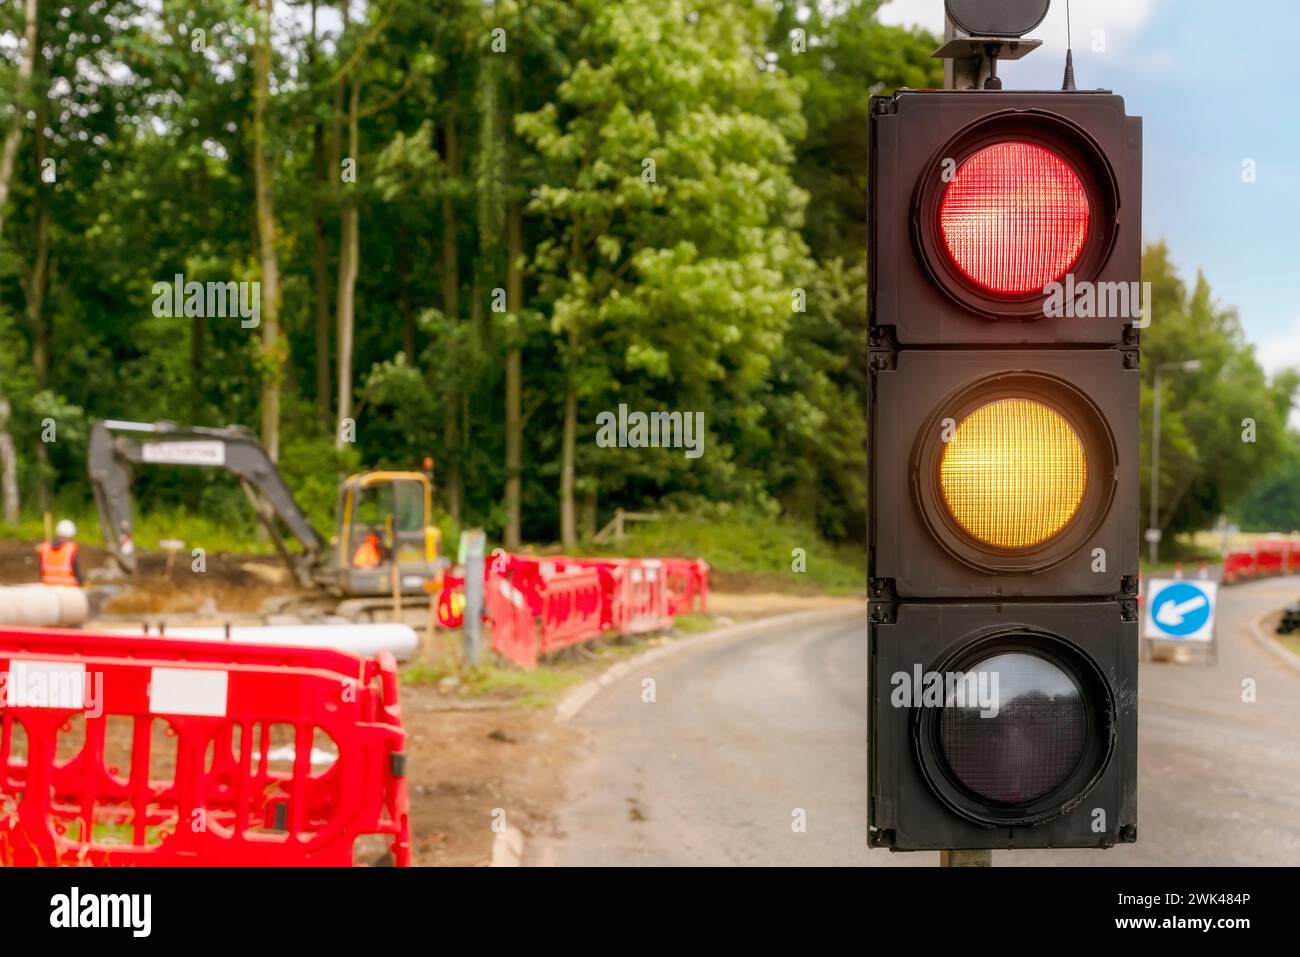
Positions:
(1005, 304)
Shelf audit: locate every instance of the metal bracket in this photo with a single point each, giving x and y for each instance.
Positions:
(971, 62)
(883, 837)
(882, 348)
(964, 48)
(881, 105)
(882, 589)
(1130, 347)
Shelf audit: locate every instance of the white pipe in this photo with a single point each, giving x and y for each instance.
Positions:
(43, 606)
(364, 640)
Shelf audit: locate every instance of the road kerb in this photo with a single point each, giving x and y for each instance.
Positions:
(577, 699)
(1288, 658)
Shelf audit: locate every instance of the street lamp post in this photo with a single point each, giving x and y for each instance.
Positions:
(1153, 526)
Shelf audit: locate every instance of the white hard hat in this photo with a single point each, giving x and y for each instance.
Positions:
(65, 529)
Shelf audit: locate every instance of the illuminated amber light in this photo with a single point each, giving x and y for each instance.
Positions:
(1013, 473)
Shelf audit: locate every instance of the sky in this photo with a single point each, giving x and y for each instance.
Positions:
(1215, 86)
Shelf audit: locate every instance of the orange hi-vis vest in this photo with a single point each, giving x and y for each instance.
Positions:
(57, 563)
(366, 556)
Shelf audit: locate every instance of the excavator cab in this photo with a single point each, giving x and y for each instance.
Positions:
(386, 518)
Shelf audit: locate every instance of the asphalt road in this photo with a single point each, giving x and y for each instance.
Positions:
(745, 730)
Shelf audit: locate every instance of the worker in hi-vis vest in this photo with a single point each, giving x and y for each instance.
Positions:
(370, 554)
(60, 563)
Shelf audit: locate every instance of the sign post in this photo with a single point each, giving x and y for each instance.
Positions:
(473, 546)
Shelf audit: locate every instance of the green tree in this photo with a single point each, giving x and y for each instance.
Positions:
(673, 221)
(1273, 502)
(1223, 425)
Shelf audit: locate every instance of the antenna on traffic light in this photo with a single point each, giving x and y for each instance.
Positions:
(1068, 83)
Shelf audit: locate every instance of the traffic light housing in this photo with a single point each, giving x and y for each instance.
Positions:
(919, 144)
(1005, 308)
(1031, 775)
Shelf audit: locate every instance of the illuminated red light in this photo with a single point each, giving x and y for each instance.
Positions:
(1014, 218)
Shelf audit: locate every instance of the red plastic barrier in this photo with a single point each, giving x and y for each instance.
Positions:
(572, 606)
(687, 580)
(641, 597)
(514, 631)
(526, 573)
(129, 750)
(637, 593)
(1270, 559)
(1269, 556)
(1238, 565)
(540, 605)
(1277, 556)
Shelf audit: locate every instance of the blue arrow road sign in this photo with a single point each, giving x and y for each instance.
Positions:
(1181, 610)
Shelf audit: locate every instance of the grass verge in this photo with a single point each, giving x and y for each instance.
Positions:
(542, 686)
(749, 552)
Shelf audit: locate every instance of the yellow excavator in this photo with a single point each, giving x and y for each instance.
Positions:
(385, 540)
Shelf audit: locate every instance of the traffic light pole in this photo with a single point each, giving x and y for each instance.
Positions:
(962, 73)
(965, 858)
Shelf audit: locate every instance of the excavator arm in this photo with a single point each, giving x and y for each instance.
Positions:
(235, 449)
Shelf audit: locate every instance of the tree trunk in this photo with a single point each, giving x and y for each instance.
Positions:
(13, 139)
(514, 374)
(320, 251)
(38, 274)
(199, 323)
(451, 309)
(587, 527)
(404, 309)
(8, 467)
(36, 281)
(568, 450)
(450, 248)
(568, 530)
(198, 343)
(476, 323)
(349, 255)
(10, 502)
(272, 350)
(320, 280)
(451, 442)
